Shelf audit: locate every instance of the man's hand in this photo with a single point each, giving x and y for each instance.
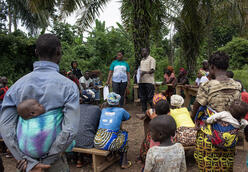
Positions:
(22, 165)
(142, 73)
(40, 168)
(96, 87)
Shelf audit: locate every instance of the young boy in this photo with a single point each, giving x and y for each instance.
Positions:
(167, 156)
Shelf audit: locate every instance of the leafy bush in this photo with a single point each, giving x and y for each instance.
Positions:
(242, 76)
(17, 55)
(237, 49)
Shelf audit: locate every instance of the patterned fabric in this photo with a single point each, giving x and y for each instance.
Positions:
(145, 146)
(210, 158)
(221, 134)
(170, 68)
(36, 135)
(113, 98)
(115, 141)
(157, 98)
(166, 159)
(186, 136)
(218, 95)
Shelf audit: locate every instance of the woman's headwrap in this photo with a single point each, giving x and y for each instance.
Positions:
(113, 99)
(183, 71)
(170, 68)
(157, 98)
(88, 96)
(177, 101)
(202, 72)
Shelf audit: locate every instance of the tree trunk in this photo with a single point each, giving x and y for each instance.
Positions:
(14, 20)
(141, 23)
(171, 53)
(243, 8)
(10, 18)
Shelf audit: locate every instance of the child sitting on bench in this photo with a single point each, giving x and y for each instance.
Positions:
(186, 132)
(35, 140)
(167, 156)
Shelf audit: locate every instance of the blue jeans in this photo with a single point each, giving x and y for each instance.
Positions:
(120, 88)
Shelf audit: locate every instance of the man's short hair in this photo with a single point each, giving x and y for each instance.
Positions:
(46, 46)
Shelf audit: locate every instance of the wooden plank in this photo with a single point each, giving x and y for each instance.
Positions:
(92, 151)
(189, 148)
(135, 89)
(102, 164)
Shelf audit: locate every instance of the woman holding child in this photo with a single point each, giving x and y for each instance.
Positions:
(216, 96)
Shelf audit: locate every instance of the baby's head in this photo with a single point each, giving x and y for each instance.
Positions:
(162, 107)
(238, 109)
(30, 108)
(162, 127)
(176, 101)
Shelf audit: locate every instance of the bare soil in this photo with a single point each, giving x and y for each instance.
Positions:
(136, 135)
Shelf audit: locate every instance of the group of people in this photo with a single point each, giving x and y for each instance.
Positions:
(47, 113)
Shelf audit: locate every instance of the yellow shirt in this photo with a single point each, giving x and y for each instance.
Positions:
(182, 117)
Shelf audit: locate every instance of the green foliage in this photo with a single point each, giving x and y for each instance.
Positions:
(237, 49)
(242, 76)
(17, 55)
(98, 51)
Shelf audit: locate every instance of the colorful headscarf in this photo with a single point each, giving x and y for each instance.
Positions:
(202, 72)
(170, 68)
(113, 98)
(88, 96)
(177, 101)
(157, 98)
(183, 71)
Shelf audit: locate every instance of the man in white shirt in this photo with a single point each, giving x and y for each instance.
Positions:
(85, 81)
(146, 80)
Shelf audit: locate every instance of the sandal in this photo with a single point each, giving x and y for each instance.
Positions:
(79, 164)
(129, 164)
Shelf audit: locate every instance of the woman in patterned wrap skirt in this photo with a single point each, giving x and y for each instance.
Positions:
(109, 135)
(216, 94)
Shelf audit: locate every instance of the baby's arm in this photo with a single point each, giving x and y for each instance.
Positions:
(214, 118)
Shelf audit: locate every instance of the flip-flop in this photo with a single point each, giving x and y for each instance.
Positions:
(79, 165)
(128, 165)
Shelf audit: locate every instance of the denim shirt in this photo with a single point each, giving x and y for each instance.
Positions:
(53, 91)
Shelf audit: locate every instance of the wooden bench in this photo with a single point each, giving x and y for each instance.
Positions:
(99, 161)
(186, 148)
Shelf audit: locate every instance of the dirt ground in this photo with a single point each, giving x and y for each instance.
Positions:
(136, 134)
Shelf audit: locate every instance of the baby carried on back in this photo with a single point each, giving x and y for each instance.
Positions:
(37, 129)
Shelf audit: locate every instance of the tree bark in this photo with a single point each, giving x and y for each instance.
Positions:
(14, 20)
(141, 23)
(10, 17)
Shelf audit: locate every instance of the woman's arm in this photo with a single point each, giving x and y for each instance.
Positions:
(195, 109)
(109, 76)
(128, 78)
